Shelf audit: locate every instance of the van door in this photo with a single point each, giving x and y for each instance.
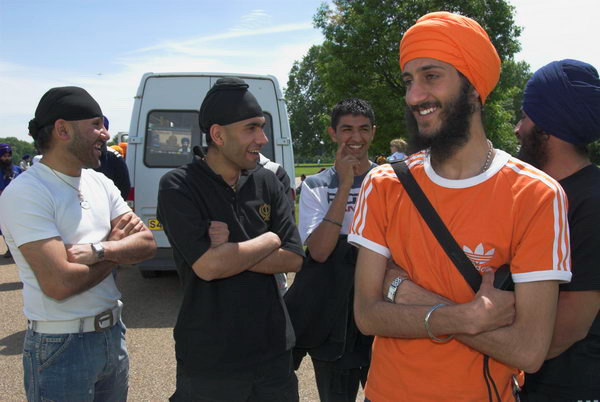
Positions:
(169, 127)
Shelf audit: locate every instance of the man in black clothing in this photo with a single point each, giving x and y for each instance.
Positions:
(231, 229)
(561, 109)
(112, 165)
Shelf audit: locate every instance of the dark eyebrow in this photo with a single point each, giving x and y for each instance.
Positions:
(425, 68)
(367, 125)
(255, 124)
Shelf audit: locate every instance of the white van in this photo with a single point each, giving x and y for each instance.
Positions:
(164, 129)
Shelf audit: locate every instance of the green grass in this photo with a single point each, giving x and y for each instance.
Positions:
(310, 168)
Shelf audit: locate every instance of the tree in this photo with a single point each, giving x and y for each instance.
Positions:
(359, 57)
(307, 103)
(19, 148)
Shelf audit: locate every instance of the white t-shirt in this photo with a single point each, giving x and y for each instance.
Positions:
(40, 206)
(318, 191)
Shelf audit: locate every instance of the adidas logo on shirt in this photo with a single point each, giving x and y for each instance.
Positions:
(479, 257)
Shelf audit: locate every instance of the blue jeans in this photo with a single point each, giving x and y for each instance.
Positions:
(89, 366)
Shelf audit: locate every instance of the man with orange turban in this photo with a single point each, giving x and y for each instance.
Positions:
(437, 338)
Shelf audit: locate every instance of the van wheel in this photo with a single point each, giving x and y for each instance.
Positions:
(148, 274)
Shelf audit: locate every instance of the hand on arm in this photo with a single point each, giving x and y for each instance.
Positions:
(323, 239)
(574, 316)
(129, 242)
(375, 316)
(230, 259)
(59, 278)
(218, 233)
(512, 328)
(523, 344)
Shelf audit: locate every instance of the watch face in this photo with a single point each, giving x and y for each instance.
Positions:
(99, 250)
(396, 282)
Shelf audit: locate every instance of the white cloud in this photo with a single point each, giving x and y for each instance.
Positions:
(114, 91)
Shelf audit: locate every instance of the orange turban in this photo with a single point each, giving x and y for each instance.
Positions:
(456, 40)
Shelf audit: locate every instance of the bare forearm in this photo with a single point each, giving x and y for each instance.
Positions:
(131, 249)
(575, 314)
(80, 280)
(323, 239)
(525, 343)
(278, 261)
(77, 278)
(230, 259)
(408, 321)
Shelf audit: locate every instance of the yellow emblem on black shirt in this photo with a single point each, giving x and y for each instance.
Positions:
(265, 212)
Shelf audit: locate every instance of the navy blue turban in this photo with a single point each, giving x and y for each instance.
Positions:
(563, 98)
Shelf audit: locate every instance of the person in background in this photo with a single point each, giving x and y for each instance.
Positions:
(185, 146)
(113, 166)
(25, 162)
(561, 116)
(341, 361)
(9, 172)
(123, 146)
(299, 188)
(398, 150)
(118, 149)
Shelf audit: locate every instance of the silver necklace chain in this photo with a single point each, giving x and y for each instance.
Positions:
(488, 159)
(82, 202)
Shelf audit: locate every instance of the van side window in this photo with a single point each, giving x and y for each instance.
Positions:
(170, 137)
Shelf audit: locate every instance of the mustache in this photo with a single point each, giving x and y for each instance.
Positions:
(425, 105)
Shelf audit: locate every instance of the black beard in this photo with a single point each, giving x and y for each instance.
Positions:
(534, 148)
(5, 164)
(454, 130)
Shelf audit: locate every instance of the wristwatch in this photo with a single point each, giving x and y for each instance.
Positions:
(98, 249)
(391, 293)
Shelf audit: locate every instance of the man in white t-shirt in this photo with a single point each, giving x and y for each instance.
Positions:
(66, 240)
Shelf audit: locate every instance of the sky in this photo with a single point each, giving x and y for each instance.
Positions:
(105, 46)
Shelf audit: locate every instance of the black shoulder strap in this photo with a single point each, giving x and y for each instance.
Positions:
(437, 226)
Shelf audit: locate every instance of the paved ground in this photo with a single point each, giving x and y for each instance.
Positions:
(150, 309)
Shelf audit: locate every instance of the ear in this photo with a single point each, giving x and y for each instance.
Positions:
(217, 133)
(62, 129)
(332, 134)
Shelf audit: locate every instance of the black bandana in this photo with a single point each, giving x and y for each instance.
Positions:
(228, 101)
(68, 103)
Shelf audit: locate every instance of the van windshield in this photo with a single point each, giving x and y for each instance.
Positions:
(171, 136)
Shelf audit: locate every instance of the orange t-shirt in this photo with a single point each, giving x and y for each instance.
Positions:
(511, 214)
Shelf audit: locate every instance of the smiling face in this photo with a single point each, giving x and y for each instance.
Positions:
(357, 132)
(242, 141)
(440, 104)
(88, 138)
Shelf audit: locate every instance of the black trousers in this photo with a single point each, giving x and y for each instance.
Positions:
(336, 384)
(272, 381)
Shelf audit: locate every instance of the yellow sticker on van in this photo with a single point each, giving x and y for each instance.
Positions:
(154, 224)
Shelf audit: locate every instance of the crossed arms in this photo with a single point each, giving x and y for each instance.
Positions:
(261, 254)
(64, 270)
(515, 329)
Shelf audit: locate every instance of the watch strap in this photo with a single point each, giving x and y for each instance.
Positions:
(393, 289)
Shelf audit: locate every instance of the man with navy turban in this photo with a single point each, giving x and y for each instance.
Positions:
(561, 116)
